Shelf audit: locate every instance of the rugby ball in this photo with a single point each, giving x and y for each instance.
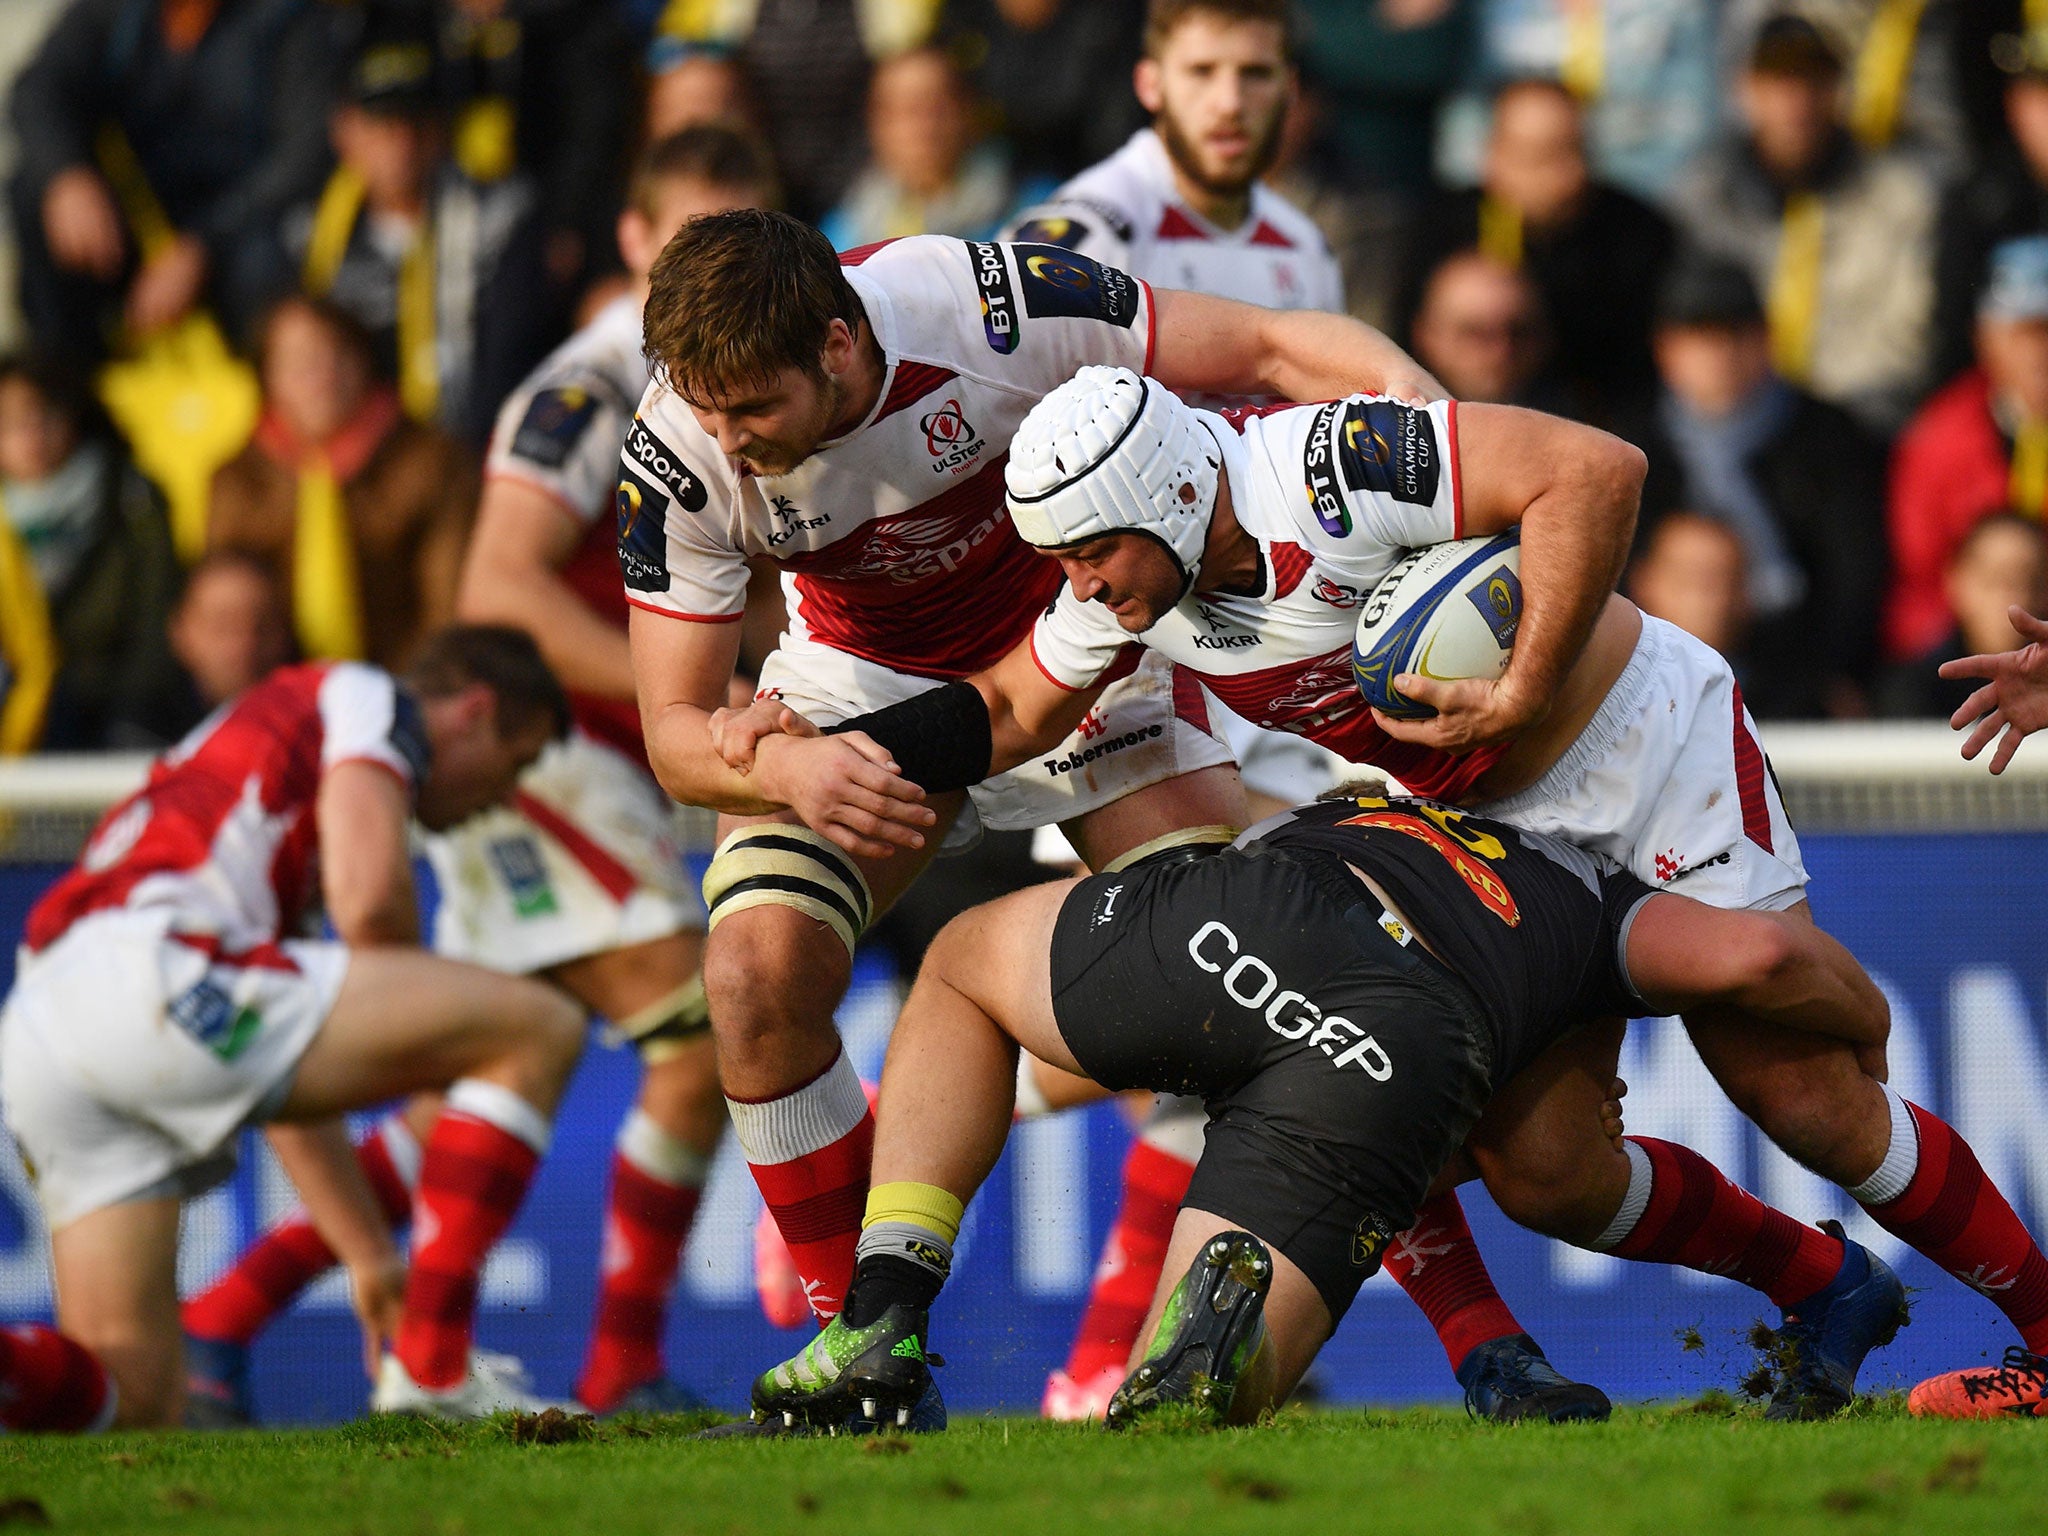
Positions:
(1449, 611)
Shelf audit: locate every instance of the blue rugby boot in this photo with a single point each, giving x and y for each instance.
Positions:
(1822, 1341)
(1213, 1326)
(217, 1384)
(1508, 1380)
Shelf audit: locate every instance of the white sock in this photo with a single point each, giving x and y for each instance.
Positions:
(649, 1148)
(780, 1130)
(1901, 1157)
(495, 1104)
(1641, 1176)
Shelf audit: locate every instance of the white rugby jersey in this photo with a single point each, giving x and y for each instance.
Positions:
(894, 541)
(560, 432)
(1335, 494)
(1126, 212)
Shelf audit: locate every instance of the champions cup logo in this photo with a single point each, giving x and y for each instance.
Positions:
(1060, 273)
(1498, 597)
(949, 438)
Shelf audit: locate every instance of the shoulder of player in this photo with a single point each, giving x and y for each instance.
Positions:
(668, 452)
(1288, 220)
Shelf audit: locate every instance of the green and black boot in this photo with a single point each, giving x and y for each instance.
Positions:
(876, 1377)
(1214, 1323)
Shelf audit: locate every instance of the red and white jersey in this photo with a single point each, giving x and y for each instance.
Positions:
(1127, 213)
(560, 432)
(894, 541)
(223, 835)
(1335, 494)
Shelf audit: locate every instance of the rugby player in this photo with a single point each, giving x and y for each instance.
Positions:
(1348, 985)
(1188, 533)
(848, 418)
(164, 1002)
(1182, 205)
(579, 877)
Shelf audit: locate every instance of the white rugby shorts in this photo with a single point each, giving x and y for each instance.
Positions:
(130, 1057)
(1669, 780)
(587, 858)
(1145, 728)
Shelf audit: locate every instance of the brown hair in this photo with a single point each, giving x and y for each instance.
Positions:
(1162, 16)
(353, 336)
(713, 153)
(504, 660)
(736, 298)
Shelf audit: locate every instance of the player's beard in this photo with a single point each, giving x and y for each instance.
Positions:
(1186, 154)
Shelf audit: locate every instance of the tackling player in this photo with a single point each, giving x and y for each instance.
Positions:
(1348, 985)
(578, 878)
(1191, 530)
(1182, 204)
(163, 1003)
(848, 418)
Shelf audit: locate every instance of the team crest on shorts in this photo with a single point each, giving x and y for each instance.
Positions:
(1369, 1241)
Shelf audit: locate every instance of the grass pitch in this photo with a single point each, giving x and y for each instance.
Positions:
(1703, 1467)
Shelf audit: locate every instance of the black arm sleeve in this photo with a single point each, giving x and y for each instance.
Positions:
(941, 739)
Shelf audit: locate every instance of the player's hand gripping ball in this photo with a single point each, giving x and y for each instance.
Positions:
(1447, 612)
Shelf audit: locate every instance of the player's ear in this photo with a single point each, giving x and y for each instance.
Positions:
(1145, 81)
(635, 235)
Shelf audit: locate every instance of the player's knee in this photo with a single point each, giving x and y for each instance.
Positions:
(1561, 1198)
(552, 1027)
(768, 971)
(144, 1372)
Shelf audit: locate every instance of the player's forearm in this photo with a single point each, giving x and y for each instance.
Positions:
(1021, 729)
(588, 654)
(1575, 539)
(1313, 356)
(322, 1165)
(688, 766)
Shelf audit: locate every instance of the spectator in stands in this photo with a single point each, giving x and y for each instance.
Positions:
(1383, 71)
(160, 142)
(930, 174)
(1840, 238)
(2006, 196)
(808, 61)
(1596, 253)
(444, 271)
(1481, 331)
(362, 513)
(689, 86)
(1057, 72)
(2002, 561)
(1692, 571)
(1644, 70)
(1979, 446)
(1905, 86)
(540, 87)
(229, 630)
(99, 547)
(1797, 480)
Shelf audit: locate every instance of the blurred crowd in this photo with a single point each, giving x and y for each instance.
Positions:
(280, 261)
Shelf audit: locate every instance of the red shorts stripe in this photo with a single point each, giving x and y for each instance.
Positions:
(1749, 779)
(617, 881)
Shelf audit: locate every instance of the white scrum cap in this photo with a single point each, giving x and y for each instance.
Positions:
(1109, 452)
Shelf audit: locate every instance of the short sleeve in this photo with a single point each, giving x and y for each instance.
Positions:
(1077, 644)
(365, 717)
(676, 552)
(1048, 312)
(1384, 472)
(562, 439)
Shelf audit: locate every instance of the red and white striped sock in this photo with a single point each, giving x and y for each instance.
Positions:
(479, 1161)
(51, 1384)
(274, 1269)
(1931, 1190)
(1438, 1263)
(1680, 1209)
(1155, 1180)
(656, 1184)
(810, 1151)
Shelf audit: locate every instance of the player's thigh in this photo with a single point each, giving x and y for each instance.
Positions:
(407, 1020)
(618, 983)
(1540, 1145)
(116, 1272)
(1207, 797)
(999, 956)
(1297, 1319)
